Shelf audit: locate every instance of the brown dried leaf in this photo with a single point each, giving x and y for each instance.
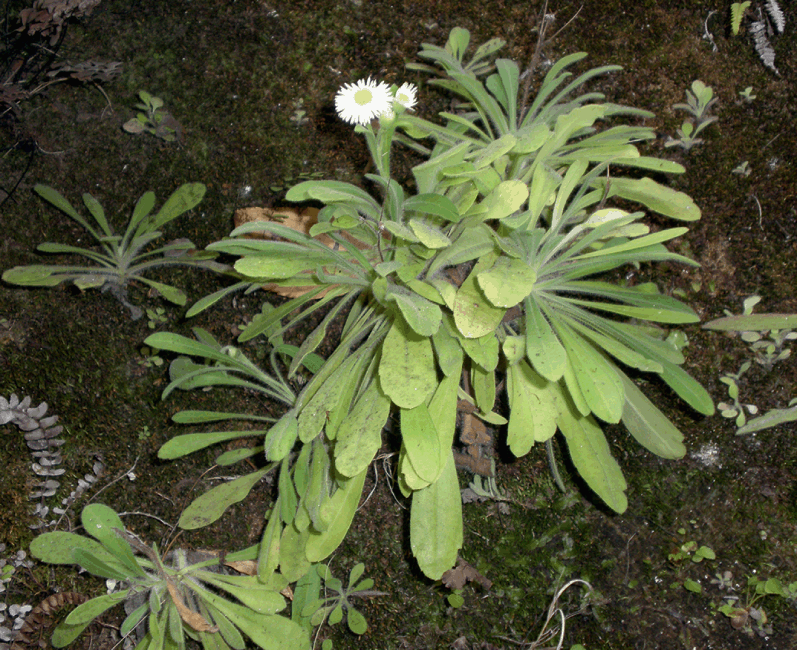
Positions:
(463, 573)
(247, 567)
(194, 619)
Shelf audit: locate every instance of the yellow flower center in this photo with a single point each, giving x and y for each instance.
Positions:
(363, 97)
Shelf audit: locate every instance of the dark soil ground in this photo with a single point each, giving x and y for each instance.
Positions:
(252, 85)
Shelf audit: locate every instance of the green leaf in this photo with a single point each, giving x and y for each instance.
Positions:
(191, 442)
(753, 323)
(259, 597)
(133, 619)
(483, 385)
(433, 204)
(183, 199)
(648, 192)
(143, 207)
(100, 522)
(67, 632)
(533, 413)
(269, 632)
(328, 396)
(693, 586)
(401, 231)
(543, 348)
(356, 621)
(207, 508)
(305, 599)
(505, 199)
(686, 387)
(34, 276)
(473, 314)
(340, 510)
(421, 442)
(436, 523)
(98, 213)
(278, 266)
(201, 417)
(428, 235)
(281, 437)
(648, 425)
(448, 350)
(334, 192)
(407, 371)
(507, 282)
(360, 434)
(599, 384)
(104, 569)
(591, 456)
(474, 243)
(421, 315)
(227, 630)
(483, 351)
(170, 293)
(91, 609)
(293, 557)
(57, 547)
(493, 151)
(772, 418)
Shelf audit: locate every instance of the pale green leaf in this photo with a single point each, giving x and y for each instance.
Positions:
(340, 510)
(648, 192)
(436, 523)
(428, 235)
(433, 204)
(183, 199)
(543, 348)
(507, 282)
(600, 386)
(208, 507)
(505, 199)
(360, 434)
(753, 323)
(473, 314)
(421, 315)
(772, 418)
(591, 456)
(100, 522)
(281, 437)
(421, 442)
(191, 442)
(533, 413)
(407, 370)
(448, 350)
(648, 425)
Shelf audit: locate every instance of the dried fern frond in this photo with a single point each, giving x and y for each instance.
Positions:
(776, 13)
(758, 30)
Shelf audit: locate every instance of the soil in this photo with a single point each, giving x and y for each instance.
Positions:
(252, 84)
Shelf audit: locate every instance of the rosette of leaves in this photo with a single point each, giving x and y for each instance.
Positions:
(120, 258)
(154, 119)
(489, 274)
(312, 610)
(175, 599)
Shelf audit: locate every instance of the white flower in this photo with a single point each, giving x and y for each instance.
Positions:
(361, 102)
(406, 95)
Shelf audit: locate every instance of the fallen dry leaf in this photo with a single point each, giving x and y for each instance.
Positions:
(463, 573)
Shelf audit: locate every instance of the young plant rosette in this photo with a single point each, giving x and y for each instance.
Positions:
(487, 273)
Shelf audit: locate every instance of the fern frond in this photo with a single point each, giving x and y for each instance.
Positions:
(737, 13)
(758, 30)
(776, 13)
